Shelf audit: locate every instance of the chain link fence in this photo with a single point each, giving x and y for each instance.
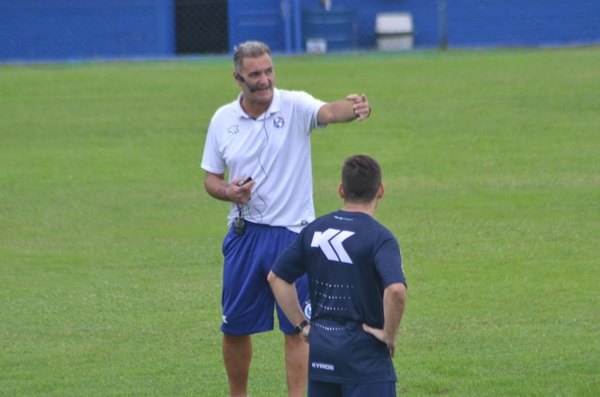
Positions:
(201, 27)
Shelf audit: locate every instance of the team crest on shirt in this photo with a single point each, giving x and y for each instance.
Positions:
(307, 310)
(278, 122)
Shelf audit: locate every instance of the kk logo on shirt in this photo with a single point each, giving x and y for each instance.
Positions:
(330, 241)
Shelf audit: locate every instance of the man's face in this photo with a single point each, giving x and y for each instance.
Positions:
(259, 79)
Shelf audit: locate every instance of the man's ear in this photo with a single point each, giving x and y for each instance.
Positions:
(380, 191)
(341, 191)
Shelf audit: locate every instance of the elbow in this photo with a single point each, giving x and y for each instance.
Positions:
(397, 291)
(212, 183)
(278, 285)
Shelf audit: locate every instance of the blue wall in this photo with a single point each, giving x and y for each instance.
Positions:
(59, 29)
(475, 23)
(470, 23)
(263, 20)
(72, 29)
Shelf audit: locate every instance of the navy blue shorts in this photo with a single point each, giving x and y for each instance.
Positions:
(247, 300)
(325, 389)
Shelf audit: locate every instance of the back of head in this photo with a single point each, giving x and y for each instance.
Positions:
(361, 179)
(248, 49)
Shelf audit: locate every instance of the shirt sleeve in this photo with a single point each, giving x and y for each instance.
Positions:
(290, 265)
(309, 105)
(388, 261)
(212, 158)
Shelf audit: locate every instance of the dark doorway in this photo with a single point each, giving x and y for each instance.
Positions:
(201, 27)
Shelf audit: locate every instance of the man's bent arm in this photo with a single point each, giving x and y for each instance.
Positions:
(216, 186)
(394, 298)
(287, 298)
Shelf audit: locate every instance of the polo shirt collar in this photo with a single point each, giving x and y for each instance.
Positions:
(274, 108)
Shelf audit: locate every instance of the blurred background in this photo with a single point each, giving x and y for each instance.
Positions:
(42, 30)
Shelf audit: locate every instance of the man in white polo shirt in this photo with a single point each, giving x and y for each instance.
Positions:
(262, 142)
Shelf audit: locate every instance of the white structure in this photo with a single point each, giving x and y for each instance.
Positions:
(394, 31)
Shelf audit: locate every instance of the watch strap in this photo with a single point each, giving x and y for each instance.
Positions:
(298, 329)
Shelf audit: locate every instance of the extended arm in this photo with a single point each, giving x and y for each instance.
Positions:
(354, 107)
(394, 298)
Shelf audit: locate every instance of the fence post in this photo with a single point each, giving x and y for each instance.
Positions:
(443, 30)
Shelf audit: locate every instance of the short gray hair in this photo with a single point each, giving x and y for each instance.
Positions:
(248, 49)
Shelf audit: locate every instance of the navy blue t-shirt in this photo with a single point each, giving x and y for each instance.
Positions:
(350, 258)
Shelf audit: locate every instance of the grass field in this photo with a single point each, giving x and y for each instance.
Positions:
(110, 263)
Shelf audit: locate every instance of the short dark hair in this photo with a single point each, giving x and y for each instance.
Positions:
(361, 178)
(248, 49)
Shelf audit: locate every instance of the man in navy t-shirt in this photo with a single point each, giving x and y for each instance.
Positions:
(357, 290)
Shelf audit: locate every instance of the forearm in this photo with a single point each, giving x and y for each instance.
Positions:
(337, 112)
(238, 192)
(354, 107)
(287, 298)
(394, 298)
(216, 186)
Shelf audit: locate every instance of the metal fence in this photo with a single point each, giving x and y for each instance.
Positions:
(201, 27)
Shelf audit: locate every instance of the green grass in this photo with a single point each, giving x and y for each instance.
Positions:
(110, 263)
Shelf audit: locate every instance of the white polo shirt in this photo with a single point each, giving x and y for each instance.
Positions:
(274, 150)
